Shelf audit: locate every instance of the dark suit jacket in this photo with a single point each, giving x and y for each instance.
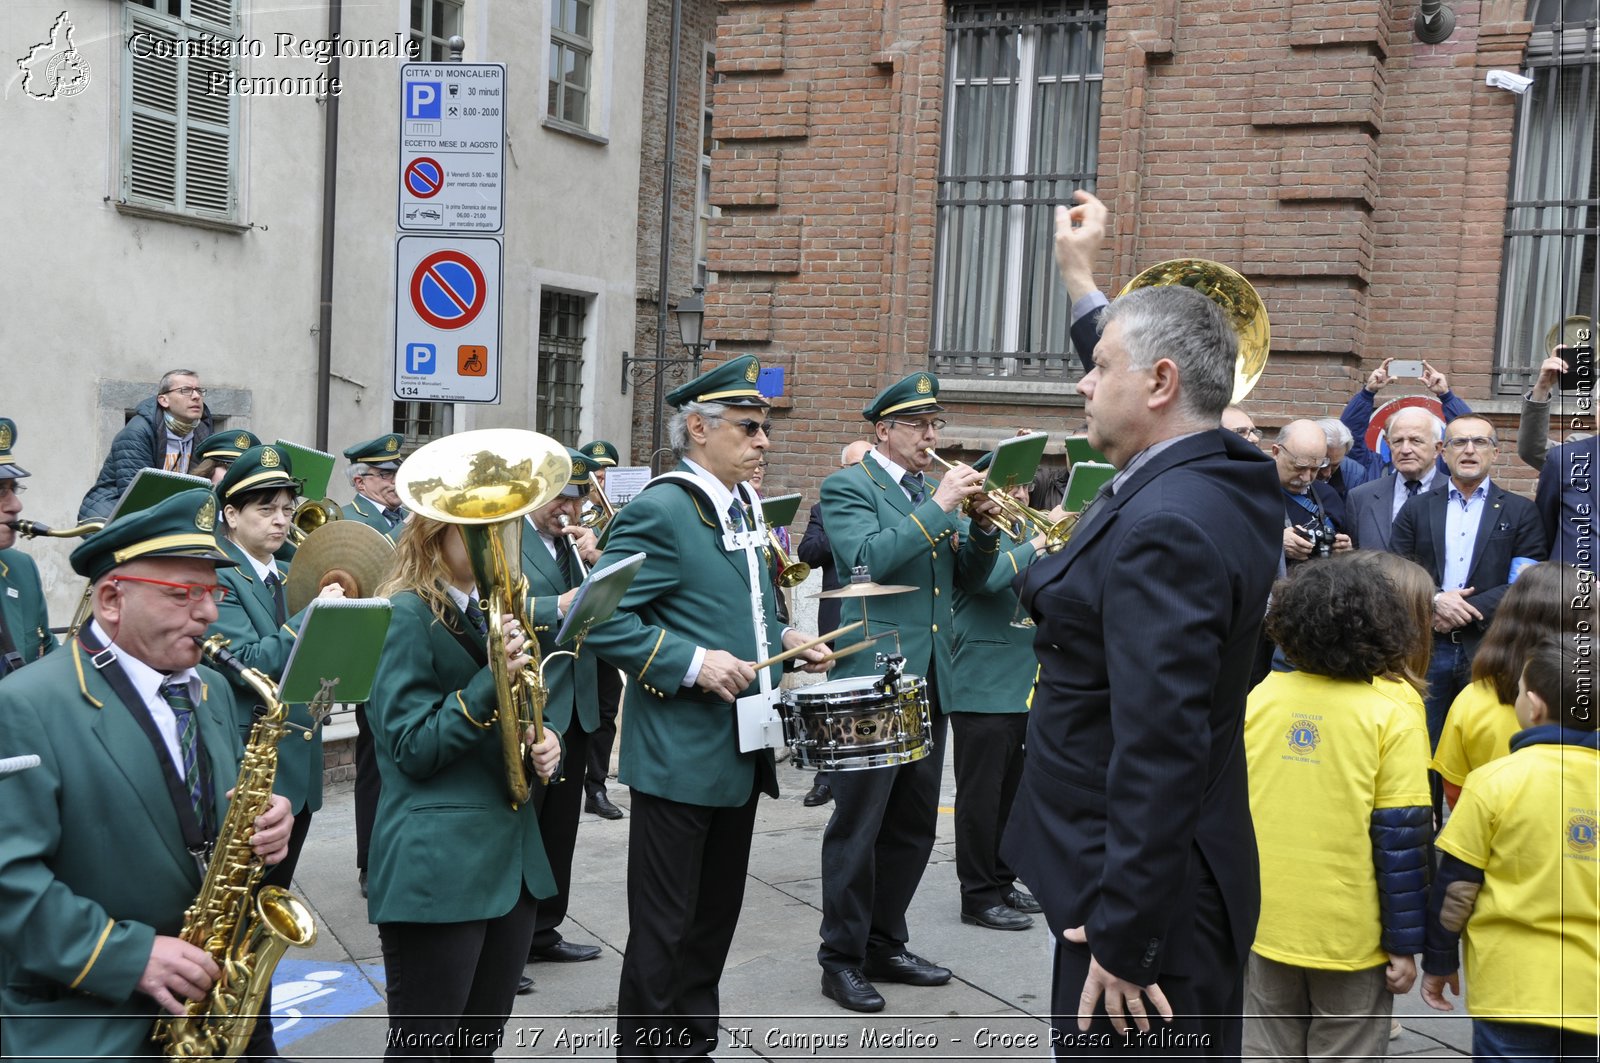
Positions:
(1367, 510)
(1148, 623)
(1566, 502)
(1510, 528)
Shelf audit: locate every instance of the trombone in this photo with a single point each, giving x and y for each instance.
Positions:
(1032, 521)
(310, 515)
(599, 515)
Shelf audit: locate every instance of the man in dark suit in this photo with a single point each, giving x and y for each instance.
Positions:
(555, 551)
(1465, 532)
(1371, 508)
(1566, 502)
(1132, 821)
(816, 551)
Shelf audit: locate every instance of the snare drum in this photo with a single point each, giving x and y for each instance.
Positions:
(849, 725)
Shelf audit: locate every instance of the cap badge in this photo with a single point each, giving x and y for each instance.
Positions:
(269, 458)
(205, 518)
(391, 445)
(752, 373)
(241, 441)
(5, 437)
(924, 386)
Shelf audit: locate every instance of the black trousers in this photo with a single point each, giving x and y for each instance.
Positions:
(600, 743)
(1207, 1007)
(988, 755)
(451, 985)
(559, 806)
(686, 872)
(261, 1044)
(874, 851)
(367, 786)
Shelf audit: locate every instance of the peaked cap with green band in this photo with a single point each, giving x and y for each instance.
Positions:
(380, 453)
(180, 525)
(908, 397)
(9, 469)
(578, 482)
(601, 455)
(225, 446)
(731, 384)
(256, 469)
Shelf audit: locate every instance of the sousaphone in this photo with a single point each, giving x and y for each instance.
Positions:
(1238, 299)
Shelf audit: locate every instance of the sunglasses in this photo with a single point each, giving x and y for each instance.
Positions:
(752, 427)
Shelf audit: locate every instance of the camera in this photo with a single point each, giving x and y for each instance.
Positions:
(1321, 538)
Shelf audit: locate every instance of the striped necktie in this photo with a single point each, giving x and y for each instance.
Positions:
(280, 610)
(915, 486)
(476, 618)
(736, 515)
(177, 695)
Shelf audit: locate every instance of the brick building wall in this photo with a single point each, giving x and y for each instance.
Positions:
(1357, 177)
(697, 31)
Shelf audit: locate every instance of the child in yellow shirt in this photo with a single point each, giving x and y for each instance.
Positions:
(1519, 876)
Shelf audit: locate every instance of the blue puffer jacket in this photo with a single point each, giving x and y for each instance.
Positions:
(1402, 843)
(142, 444)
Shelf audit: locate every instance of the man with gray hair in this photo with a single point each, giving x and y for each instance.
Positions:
(161, 434)
(1371, 508)
(1132, 821)
(1343, 472)
(372, 468)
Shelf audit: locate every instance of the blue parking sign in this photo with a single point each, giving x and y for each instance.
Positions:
(422, 358)
(423, 100)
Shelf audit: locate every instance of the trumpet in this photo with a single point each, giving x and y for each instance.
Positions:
(791, 571)
(1016, 516)
(310, 515)
(599, 516)
(32, 529)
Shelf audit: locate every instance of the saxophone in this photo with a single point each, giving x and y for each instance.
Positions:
(244, 930)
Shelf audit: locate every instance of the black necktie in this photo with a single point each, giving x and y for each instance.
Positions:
(475, 617)
(394, 515)
(1412, 487)
(279, 608)
(914, 485)
(564, 560)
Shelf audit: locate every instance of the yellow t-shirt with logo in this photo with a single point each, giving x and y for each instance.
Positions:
(1529, 821)
(1477, 729)
(1323, 753)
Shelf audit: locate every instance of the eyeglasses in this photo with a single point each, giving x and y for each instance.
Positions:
(11, 487)
(186, 391)
(751, 427)
(1477, 442)
(918, 426)
(1305, 466)
(1250, 432)
(380, 474)
(192, 592)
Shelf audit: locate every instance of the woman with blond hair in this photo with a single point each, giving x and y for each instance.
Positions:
(454, 868)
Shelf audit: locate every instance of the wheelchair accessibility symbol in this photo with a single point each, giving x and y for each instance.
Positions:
(472, 360)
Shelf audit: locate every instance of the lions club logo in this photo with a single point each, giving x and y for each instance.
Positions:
(205, 518)
(1581, 834)
(1303, 737)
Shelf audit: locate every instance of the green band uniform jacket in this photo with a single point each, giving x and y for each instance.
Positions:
(682, 743)
(994, 661)
(447, 847)
(248, 619)
(22, 600)
(370, 513)
(573, 684)
(92, 861)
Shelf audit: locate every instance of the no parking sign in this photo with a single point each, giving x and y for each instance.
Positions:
(447, 319)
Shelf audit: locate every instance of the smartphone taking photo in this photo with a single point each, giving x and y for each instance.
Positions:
(1406, 367)
(1580, 367)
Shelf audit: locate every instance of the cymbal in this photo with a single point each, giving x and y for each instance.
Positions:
(866, 590)
(347, 551)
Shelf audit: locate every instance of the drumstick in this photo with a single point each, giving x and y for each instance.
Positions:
(848, 650)
(804, 646)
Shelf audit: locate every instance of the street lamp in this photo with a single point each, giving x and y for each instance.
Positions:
(691, 314)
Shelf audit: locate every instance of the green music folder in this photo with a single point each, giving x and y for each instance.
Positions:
(597, 598)
(779, 510)
(150, 486)
(1078, 449)
(1015, 461)
(313, 468)
(337, 652)
(1085, 482)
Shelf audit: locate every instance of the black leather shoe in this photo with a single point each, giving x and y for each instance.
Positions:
(1022, 902)
(564, 952)
(600, 805)
(999, 917)
(524, 986)
(849, 988)
(820, 794)
(907, 968)
(361, 880)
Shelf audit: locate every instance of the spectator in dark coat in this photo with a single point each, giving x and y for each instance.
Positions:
(161, 435)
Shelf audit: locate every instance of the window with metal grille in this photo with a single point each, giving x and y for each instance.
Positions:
(705, 212)
(1021, 133)
(1553, 212)
(180, 122)
(560, 397)
(433, 23)
(571, 56)
(422, 422)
